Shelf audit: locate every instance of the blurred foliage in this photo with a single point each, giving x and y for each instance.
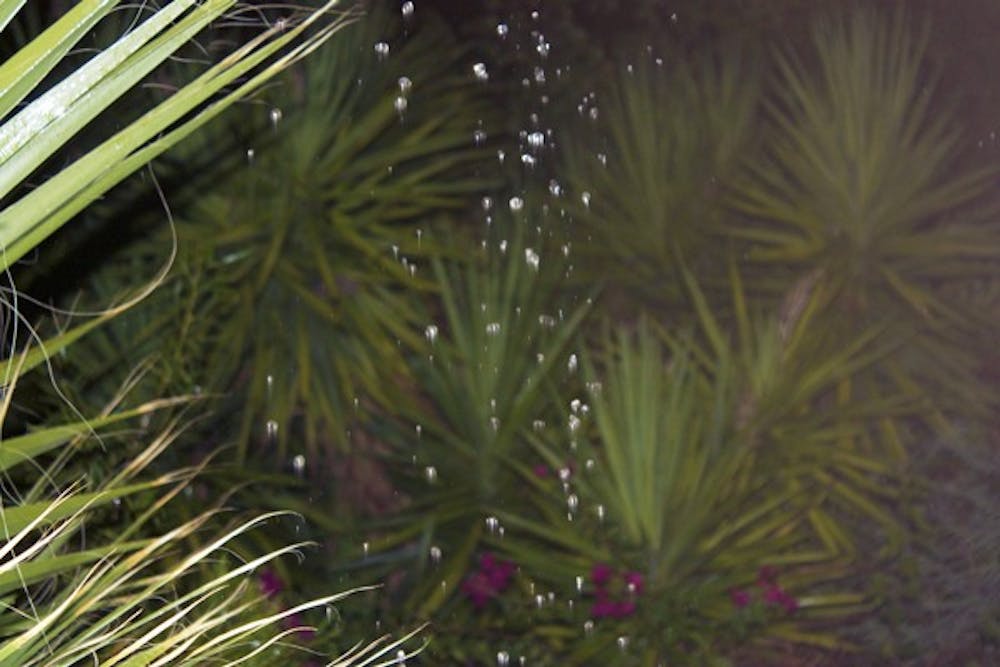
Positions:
(297, 278)
(862, 187)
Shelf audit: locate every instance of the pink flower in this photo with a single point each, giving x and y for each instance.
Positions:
(633, 580)
(541, 471)
(492, 579)
(270, 583)
(739, 597)
(600, 574)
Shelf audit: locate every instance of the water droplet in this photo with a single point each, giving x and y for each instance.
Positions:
(503, 246)
(622, 642)
(400, 104)
(478, 137)
(271, 430)
(673, 17)
(565, 473)
(516, 204)
(401, 657)
(600, 512)
(555, 189)
(492, 524)
(503, 659)
(381, 49)
(579, 584)
(487, 203)
(479, 70)
(539, 75)
(534, 16)
(501, 155)
(585, 198)
(593, 113)
(536, 140)
(546, 321)
(539, 600)
(537, 425)
(405, 84)
(588, 627)
(299, 464)
(495, 424)
(603, 159)
(572, 503)
(528, 161)
(435, 554)
(543, 49)
(589, 465)
(572, 363)
(431, 332)
(364, 549)
(574, 405)
(532, 258)
(502, 29)
(407, 9)
(431, 474)
(250, 155)
(594, 387)
(493, 328)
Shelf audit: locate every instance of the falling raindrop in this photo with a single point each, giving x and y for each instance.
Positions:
(585, 198)
(603, 159)
(588, 627)
(539, 600)
(431, 474)
(572, 503)
(431, 333)
(478, 137)
(554, 188)
(492, 329)
(622, 642)
(537, 425)
(364, 549)
(271, 430)
(532, 258)
(495, 424)
(401, 657)
(501, 154)
(600, 512)
(543, 49)
(574, 405)
(546, 321)
(407, 9)
(536, 140)
(299, 464)
(503, 246)
(528, 160)
(487, 203)
(250, 155)
(275, 116)
(516, 204)
(593, 113)
(594, 387)
(539, 75)
(503, 659)
(572, 363)
(435, 554)
(579, 584)
(400, 104)
(381, 49)
(502, 30)
(479, 70)
(492, 524)
(405, 84)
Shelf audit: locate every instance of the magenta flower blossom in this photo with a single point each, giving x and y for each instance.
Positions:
(270, 583)
(606, 606)
(492, 578)
(739, 597)
(541, 471)
(600, 574)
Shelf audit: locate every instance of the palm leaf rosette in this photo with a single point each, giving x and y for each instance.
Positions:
(493, 355)
(647, 165)
(701, 500)
(863, 192)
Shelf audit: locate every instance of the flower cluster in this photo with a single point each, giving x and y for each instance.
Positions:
(772, 594)
(492, 578)
(608, 605)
